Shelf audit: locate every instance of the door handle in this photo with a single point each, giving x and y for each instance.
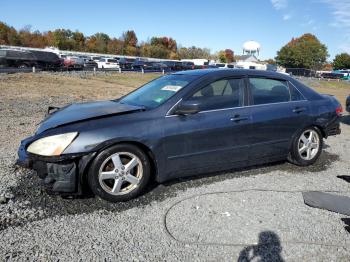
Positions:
(298, 110)
(238, 118)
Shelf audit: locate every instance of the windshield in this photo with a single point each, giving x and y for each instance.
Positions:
(158, 91)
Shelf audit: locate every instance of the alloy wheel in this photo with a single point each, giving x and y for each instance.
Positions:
(308, 144)
(120, 173)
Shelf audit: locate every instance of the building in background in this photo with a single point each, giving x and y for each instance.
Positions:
(249, 60)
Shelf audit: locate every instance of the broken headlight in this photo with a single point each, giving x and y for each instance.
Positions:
(52, 145)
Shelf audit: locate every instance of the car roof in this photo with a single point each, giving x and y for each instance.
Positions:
(230, 72)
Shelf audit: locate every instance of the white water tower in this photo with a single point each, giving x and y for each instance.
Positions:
(251, 48)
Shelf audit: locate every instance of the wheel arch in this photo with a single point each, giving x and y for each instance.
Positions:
(316, 126)
(142, 146)
(320, 129)
(291, 154)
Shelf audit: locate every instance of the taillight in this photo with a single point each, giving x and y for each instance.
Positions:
(339, 110)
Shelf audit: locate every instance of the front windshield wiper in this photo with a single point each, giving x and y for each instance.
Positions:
(143, 107)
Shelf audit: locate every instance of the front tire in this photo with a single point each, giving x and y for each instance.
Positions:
(306, 147)
(119, 173)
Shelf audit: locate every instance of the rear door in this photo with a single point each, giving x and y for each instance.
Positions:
(278, 110)
(217, 136)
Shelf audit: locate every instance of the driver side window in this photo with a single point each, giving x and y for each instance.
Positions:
(221, 94)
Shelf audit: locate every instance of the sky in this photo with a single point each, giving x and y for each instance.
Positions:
(214, 24)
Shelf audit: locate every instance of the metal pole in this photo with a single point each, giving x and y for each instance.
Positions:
(120, 70)
(163, 72)
(33, 69)
(143, 71)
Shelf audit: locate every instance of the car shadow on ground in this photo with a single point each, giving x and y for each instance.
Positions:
(268, 248)
(345, 178)
(30, 194)
(346, 222)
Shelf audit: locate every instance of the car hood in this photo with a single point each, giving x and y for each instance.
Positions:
(84, 111)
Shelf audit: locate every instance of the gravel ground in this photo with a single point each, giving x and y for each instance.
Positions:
(257, 211)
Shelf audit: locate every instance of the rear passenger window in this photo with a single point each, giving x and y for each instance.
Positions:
(267, 91)
(226, 93)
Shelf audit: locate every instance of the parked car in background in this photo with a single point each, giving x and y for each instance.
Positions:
(47, 60)
(141, 64)
(209, 66)
(198, 63)
(271, 67)
(187, 65)
(345, 73)
(116, 147)
(89, 63)
(159, 66)
(73, 62)
(348, 104)
(173, 65)
(126, 63)
(205, 65)
(224, 65)
(108, 63)
(331, 75)
(17, 58)
(95, 58)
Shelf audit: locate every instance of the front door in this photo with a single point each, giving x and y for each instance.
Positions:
(217, 136)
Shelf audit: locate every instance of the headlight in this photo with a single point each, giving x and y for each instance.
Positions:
(52, 145)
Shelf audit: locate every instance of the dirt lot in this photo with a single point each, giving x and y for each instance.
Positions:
(25, 97)
(256, 211)
(340, 89)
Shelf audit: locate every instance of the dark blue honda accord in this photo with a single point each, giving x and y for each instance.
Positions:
(181, 124)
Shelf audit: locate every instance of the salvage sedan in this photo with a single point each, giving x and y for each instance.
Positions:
(177, 125)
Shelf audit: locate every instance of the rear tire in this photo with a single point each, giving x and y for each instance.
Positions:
(306, 147)
(119, 173)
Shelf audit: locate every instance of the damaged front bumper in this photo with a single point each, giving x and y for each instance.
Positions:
(62, 174)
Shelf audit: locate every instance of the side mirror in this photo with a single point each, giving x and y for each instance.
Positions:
(187, 107)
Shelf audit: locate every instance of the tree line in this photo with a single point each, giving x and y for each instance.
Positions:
(305, 51)
(126, 44)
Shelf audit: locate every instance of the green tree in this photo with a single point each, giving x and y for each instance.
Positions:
(194, 52)
(91, 44)
(78, 41)
(221, 56)
(165, 42)
(156, 51)
(101, 42)
(129, 38)
(62, 39)
(131, 50)
(270, 61)
(341, 61)
(229, 56)
(8, 35)
(115, 46)
(303, 52)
